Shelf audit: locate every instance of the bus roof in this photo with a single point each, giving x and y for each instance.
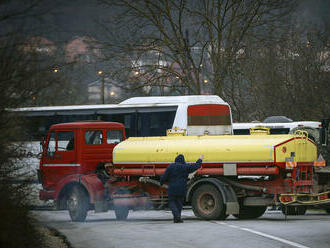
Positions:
(175, 99)
(290, 125)
(140, 102)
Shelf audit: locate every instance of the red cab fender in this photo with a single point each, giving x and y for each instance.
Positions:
(90, 182)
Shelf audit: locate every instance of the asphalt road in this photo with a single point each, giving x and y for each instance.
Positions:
(150, 229)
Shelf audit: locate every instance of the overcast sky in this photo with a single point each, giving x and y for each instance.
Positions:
(66, 19)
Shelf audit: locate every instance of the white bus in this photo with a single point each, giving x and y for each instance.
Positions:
(280, 125)
(142, 116)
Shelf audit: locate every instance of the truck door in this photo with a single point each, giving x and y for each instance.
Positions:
(59, 159)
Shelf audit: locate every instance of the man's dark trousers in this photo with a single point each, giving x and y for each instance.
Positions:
(175, 203)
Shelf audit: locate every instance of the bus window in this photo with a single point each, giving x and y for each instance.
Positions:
(241, 131)
(128, 119)
(213, 119)
(279, 130)
(208, 115)
(155, 123)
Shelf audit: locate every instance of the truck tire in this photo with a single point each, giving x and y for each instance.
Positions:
(327, 210)
(207, 203)
(78, 203)
(121, 212)
(250, 212)
(294, 210)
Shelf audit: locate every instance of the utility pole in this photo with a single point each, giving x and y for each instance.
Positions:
(187, 56)
(102, 85)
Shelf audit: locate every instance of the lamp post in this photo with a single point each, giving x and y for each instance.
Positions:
(102, 85)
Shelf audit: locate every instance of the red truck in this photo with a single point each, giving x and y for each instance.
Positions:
(89, 165)
(69, 159)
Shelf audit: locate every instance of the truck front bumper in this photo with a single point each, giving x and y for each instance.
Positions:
(46, 195)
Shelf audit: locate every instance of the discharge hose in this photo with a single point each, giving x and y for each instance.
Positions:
(242, 186)
(149, 180)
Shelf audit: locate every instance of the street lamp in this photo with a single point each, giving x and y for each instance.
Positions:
(102, 85)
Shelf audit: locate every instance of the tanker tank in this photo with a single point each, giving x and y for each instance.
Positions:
(236, 155)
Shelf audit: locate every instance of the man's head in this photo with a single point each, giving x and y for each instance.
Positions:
(180, 159)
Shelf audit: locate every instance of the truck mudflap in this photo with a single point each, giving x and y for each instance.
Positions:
(305, 199)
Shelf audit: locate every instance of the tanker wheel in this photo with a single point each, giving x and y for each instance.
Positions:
(207, 203)
(121, 212)
(294, 210)
(250, 212)
(78, 203)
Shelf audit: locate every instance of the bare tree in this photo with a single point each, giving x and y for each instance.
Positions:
(194, 44)
(290, 77)
(22, 78)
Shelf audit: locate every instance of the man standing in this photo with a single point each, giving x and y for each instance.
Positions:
(177, 174)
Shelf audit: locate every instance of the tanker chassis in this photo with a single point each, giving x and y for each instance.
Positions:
(241, 175)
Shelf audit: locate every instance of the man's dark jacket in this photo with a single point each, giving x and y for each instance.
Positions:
(177, 174)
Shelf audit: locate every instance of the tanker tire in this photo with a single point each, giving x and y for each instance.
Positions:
(78, 204)
(294, 210)
(249, 212)
(121, 212)
(207, 203)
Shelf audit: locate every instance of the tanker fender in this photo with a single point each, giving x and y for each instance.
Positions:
(226, 191)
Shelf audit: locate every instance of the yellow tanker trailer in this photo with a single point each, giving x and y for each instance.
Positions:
(240, 175)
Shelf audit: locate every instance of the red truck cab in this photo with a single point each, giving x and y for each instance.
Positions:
(73, 150)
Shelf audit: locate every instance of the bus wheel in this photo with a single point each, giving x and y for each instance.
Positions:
(294, 210)
(121, 212)
(250, 212)
(207, 203)
(78, 203)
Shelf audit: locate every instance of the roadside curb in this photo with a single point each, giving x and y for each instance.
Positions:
(56, 233)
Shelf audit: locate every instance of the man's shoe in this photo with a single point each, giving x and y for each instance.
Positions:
(178, 221)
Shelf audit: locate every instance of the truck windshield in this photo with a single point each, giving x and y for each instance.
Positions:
(60, 141)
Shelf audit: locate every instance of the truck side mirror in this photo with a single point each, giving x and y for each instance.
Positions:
(42, 144)
(324, 132)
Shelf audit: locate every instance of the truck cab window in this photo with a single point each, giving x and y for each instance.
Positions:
(93, 137)
(114, 136)
(65, 141)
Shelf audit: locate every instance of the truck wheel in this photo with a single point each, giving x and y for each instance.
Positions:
(121, 212)
(207, 203)
(327, 210)
(250, 212)
(77, 203)
(294, 210)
